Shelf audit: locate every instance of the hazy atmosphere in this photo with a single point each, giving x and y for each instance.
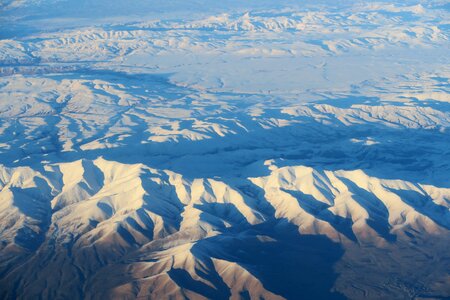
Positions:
(224, 149)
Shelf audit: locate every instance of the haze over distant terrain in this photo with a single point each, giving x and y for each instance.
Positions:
(224, 149)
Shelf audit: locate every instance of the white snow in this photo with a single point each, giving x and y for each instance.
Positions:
(224, 149)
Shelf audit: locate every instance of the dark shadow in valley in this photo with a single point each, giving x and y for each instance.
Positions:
(288, 264)
(423, 204)
(320, 211)
(310, 142)
(161, 200)
(183, 279)
(378, 212)
(221, 214)
(253, 196)
(34, 203)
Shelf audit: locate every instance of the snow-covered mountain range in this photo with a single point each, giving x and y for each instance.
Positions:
(203, 150)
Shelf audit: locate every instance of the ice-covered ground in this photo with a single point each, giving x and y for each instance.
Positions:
(201, 149)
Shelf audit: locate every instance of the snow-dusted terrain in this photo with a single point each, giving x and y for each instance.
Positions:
(224, 149)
